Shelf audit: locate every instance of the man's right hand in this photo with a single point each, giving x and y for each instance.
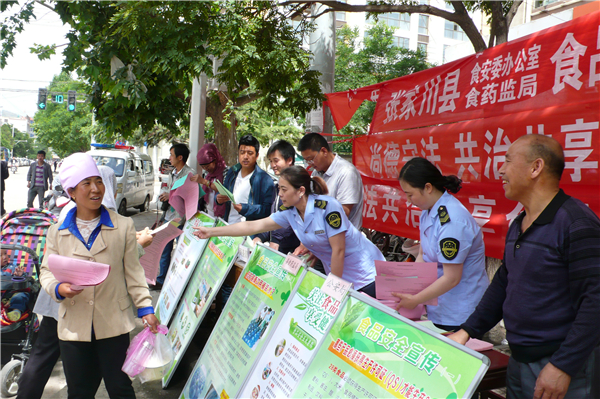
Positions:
(461, 336)
(28, 184)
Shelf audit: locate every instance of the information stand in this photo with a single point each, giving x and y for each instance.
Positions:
(257, 302)
(183, 263)
(297, 337)
(204, 284)
(372, 352)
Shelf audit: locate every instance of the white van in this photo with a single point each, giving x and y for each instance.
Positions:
(135, 177)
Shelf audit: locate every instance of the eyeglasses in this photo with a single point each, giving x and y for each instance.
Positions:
(312, 160)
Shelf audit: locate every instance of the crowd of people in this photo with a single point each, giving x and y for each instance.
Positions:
(547, 289)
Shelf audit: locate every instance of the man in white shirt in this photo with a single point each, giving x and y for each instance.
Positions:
(178, 158)
(343, 179)
(252, 187)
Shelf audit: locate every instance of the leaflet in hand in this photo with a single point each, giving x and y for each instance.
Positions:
(80, 273)
(222, 190)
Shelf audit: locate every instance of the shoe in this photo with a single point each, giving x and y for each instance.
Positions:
(155, 287)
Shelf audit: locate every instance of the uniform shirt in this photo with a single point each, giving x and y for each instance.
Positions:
(450, 234)
(324, 217)
(345, 185)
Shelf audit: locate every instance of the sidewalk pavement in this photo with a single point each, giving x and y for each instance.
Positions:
(56, 388)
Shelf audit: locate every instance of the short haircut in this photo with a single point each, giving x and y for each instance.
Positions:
(550, 151)
(182, 150)
(249, 140)
(314, 142)
(42, 152)
(286, 150)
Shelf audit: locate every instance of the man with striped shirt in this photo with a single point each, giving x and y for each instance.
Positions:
(548, 287)
(39, 178)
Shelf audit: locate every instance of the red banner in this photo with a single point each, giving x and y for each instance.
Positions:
(560, 65)
(474, 151)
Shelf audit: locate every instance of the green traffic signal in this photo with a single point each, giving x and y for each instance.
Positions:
(42, 95)
(42, 105)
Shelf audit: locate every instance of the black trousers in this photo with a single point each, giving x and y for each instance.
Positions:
(43, 358)
(87, 363)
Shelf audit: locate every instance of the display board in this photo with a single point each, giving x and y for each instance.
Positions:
(372, 352)
(183, 262)
(257, 302)
(296, 339)
(204, 284)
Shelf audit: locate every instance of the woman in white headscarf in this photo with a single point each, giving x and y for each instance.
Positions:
(110, 182)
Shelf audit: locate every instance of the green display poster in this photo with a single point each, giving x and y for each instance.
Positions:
(183, 262)
(255, 306)
(297, 337)
(206, 280)
(371, 353)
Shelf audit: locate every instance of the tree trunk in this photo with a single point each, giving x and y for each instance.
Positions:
(225, 137)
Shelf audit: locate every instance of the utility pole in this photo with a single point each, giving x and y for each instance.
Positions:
(322, 45)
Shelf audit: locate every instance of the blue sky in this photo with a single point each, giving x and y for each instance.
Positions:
(24, 70)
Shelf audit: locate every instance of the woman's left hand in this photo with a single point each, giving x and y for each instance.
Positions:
(406, 301)
(152, 322)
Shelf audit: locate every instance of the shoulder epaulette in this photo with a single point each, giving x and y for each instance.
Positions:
(443, 214)
(320, 204)
(284, 208)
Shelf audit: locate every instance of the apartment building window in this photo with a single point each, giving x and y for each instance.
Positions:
(453, 31)
(394, 20)
(340, 15)
(422, 47)
(542, 3)
(423, 24)
(423, 2)
(402, 42)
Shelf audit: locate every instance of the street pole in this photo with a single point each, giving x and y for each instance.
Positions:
(322, 45)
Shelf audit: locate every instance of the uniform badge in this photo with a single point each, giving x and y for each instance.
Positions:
(443, 214)
(320, 204)
(449, 248)
(334, 219)
(320, 232)
(283, 208)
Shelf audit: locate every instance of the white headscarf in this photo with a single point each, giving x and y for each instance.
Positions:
(110, 182)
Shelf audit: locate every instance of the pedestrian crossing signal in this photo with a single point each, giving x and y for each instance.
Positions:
(42, 96)
(71, 100)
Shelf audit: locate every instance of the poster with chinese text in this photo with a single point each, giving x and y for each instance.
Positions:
(183, 262)
(212, 269)
(295, 341)
(370, 353)
(248, 320)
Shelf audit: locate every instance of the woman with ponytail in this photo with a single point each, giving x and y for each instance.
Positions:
(449, 236)
(318, 221)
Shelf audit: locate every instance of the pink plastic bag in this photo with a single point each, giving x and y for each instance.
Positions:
(140, 349)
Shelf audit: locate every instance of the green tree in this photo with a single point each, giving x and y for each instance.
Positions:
(499, 14)
(252, 120)
(165, 45)
(8, 140)
(375, 60)
(64, 131)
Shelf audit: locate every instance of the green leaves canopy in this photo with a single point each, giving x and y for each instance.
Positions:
(167, 44)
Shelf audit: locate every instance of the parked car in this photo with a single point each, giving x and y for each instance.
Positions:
(165, 166)
(135, 177)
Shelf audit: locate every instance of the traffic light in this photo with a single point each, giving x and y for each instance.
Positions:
(71, 100)
(42, 95)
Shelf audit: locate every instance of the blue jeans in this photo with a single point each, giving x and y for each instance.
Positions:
(19, 300)
(165, 261)
(521, 377)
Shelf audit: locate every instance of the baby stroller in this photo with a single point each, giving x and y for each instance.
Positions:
(23, 235)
